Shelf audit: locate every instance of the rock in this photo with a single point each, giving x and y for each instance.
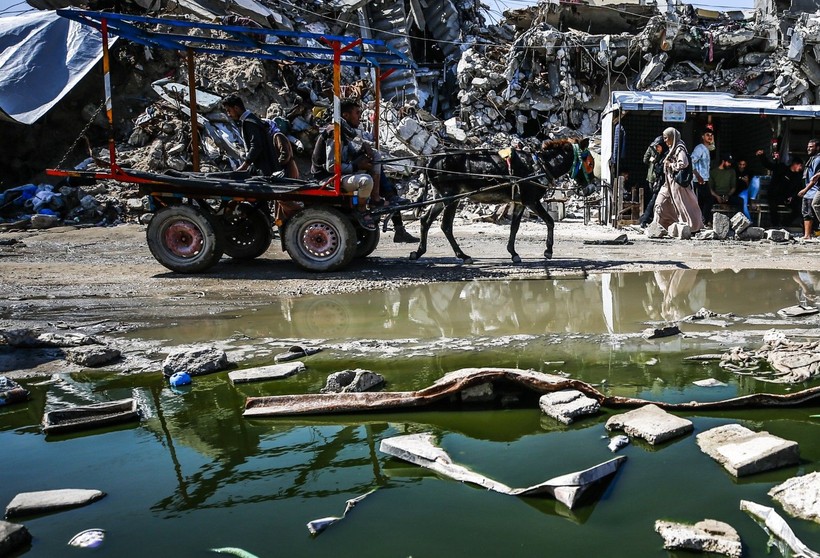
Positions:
(752, 233)
(744, 452)
(30, 503)
(740, 222)
(655, 230)
(709, 382)
(195, 361)
(721, 225)
(798, 310)
(44, 221)
(262, 373)
(28, 339)
(657, 332)
(350, 381)
(13, 537)
(681, 231)
(650, 423)
(777, 235)
(800, 496)
(567, 405)
(708, 535)
(92, 355)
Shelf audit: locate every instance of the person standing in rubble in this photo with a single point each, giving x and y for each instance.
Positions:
(653, 159)
(676, 201)
(260, 154)
(809, 193)
(701, 166)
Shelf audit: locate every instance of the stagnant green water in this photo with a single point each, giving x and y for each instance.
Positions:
(195, 475)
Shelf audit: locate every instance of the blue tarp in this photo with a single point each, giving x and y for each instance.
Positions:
(42, 57)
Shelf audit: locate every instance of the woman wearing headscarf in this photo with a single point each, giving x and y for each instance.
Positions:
(677, 202)
(653, 159)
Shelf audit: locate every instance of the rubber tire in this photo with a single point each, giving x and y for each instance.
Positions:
(184, 239)
(320, 239)
(247, 233)
(366, 241)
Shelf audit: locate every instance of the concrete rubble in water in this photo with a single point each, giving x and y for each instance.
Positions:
(708, 535)
(744, 452)
(542, 69)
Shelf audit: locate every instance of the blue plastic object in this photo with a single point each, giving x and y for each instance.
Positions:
(180, 379)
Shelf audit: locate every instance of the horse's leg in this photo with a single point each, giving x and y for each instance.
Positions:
(517, 213)
(547, 218)
(426, 221)
(447, 227)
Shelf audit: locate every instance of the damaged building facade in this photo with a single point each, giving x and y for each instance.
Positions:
(545, 71)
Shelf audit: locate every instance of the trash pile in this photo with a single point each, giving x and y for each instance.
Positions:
(537, 73)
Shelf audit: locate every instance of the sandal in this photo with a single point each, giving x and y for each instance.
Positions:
(365, 220)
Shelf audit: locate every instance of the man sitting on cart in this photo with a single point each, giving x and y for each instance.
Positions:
(260, 154)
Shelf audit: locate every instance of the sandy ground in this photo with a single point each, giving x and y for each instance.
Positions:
(100, 273)
(105, 280)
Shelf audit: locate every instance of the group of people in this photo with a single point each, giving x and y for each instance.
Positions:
(686, 188)
(268, 152)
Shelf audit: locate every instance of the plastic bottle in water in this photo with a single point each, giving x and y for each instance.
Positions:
(356, 197)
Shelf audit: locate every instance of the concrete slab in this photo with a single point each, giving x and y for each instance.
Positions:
(263, 373)
(708, 535)
(650, 423)
(777, 528)
(800, 496)
(30, 503)
(744, 452)
(13, 537)
(567, 405)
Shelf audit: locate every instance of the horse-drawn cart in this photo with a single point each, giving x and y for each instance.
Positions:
(199, 217)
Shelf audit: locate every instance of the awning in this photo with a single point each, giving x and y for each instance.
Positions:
(43, 57)
(717, 102)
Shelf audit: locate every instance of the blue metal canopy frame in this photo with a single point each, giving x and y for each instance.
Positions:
(243, 41)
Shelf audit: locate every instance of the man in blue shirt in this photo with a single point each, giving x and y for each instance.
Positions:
(701, 164)
(809, 193)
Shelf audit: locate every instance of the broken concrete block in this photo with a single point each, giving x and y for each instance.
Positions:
(567, 405)
(752, 233)
(30, 503)
(650, 423)
(708, 535)
(352, 381)
(778, 235)
(777, 528)
(652, 70)
(44, 221)
(262, 373)
(13, 537)
(800, 496)
(195, 361)
(681, 231)
(407, 128)
(740, 222)
(92, 355)
(744, 452)
(721, 225)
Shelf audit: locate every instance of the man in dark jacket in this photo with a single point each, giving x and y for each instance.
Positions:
(260, 155)
(787, 180)
(653, 159)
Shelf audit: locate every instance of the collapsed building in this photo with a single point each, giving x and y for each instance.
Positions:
(545, 71)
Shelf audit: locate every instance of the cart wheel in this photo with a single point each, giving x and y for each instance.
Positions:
(184, 239)
(366, 241)
(247, 233)
(320, 239)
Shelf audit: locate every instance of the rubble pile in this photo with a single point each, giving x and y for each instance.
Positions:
(538, 73)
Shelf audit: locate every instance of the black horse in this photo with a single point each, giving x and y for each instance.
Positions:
(487, 177)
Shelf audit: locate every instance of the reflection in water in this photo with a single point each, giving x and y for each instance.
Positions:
(607, 303)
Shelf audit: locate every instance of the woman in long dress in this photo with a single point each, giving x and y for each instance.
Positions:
(676, 203)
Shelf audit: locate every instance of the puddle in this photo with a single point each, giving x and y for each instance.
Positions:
(195, 474)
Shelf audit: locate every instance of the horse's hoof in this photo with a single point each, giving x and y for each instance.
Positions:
(548, 254)
(414, 256)
(468, 260)
(516, 259)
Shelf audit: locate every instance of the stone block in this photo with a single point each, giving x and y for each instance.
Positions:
(721, 225)
(567, 405)
(650, 423)
(13, 537)
(740, 222)
(777, 235)
(708, 535)
(349, 381)
(263, 373)
(752, 233)
(30, 503)
(681, 231)
(744, 452)
(478, 394)
(195, 361)
(800, 496)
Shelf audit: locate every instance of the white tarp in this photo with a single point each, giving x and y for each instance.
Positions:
(42, 56)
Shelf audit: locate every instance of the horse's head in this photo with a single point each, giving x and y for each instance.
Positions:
(570, 157)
